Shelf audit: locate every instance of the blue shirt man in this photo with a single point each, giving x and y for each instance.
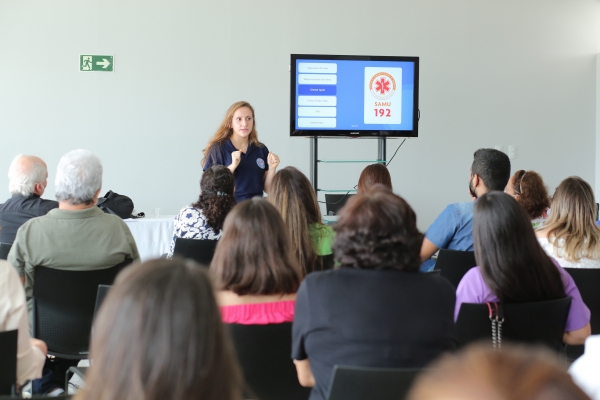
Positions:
(250, 173)
(453, 228)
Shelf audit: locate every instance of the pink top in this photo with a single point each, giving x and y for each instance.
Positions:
(275, 312)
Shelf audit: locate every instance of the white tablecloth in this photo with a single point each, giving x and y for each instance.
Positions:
(152, 235)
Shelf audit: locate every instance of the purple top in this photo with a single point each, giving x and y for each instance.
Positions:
(472, 289)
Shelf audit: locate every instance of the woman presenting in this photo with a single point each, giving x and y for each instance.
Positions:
(236, 146)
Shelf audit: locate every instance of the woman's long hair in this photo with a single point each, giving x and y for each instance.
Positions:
(514, 265)
(226, 130)
(254, 256)
(374, 174)
(294, 197)
(216, 196)
(572, 227)
(159, 336)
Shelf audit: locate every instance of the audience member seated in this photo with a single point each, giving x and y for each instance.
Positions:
(28, 177)
(77, 236)
(571, 234)
(31, 353)
(515, 373)
(254, 269)
(453, 228)
(528, 188)
(585, 369)
(513, 268)
(158, 335)
(376, 309)
(294, 197)
(204, 218)
(372, 175)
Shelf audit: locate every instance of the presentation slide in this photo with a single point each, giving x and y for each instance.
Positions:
(354, 95)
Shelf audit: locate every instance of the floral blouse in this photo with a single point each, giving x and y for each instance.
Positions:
(191, 224)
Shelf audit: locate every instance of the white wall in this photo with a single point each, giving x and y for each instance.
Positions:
(492, 73)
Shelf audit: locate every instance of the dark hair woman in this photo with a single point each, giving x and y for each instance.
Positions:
(204, 218)
(376, 309)
(528, 188)
(513, 268)
(254, 269)
(294, 197)
(159, 336)
(372, 175)
(235, 145)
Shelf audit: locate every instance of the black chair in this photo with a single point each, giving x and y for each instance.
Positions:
(454, 264)
(326, 262)
(359, 383)
(264, 353)
(587, 281)
(540, 322)
(334, 202)
(81, 371)
(8, 363)
(199, 250)
(4, 250)
(61, 397)
(63, 307)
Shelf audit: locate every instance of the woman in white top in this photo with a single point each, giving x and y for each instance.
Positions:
(31, 353)
(204, 219)
(570, 234)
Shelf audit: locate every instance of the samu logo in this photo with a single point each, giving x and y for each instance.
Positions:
(260, 162)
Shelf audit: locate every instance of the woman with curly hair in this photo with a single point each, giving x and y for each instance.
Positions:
(204, 218)
(235, 145)
(528, 188)
(376, 309)
(571, 235)
(294, 197)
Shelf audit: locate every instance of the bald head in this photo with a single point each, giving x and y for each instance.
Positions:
(27, 176)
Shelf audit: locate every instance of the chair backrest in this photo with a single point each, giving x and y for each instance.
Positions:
(8, 361)
(199, 250)
(264, 355)
(334, 202)
(100, 296)
(4, 250)
(63, 307)
(358, 383)
(454, 264)
(540, 322)
(323, 264)
(587, 281)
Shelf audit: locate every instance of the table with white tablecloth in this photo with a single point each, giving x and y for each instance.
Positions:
(152, 235)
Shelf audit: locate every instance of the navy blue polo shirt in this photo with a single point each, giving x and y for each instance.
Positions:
(249, 174)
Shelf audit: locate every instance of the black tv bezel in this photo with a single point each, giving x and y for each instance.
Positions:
(412, 133)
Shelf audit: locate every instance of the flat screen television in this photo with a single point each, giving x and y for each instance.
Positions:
(368, 96)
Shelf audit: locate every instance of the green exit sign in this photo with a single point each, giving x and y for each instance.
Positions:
(96, 63)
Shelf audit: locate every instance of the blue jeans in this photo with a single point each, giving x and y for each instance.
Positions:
(53, 375)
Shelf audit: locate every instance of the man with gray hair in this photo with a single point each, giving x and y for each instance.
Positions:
(77, 236)
(28, 177)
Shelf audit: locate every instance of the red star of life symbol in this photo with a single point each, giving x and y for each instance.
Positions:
(382, 86)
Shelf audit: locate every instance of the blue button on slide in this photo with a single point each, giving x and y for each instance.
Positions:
(315, 90)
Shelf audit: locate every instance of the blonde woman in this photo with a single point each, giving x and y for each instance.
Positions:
(294, 197)
(236, 146)
(571, 234)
